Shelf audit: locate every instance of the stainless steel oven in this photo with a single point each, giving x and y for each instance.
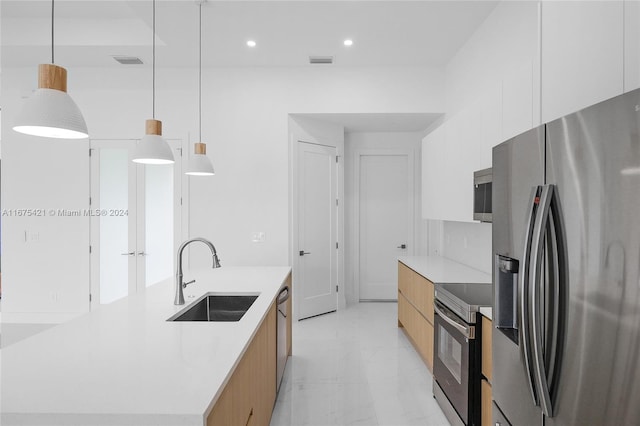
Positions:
(456, 360)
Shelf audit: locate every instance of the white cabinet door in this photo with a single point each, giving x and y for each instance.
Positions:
(631, 45)
(490, 110)
(582, 55)
(517, 101)
(432, 169)
(450, 155)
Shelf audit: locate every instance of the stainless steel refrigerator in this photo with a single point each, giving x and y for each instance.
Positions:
(566, 246)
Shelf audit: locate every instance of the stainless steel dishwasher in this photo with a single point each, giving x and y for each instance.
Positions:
(281, 335)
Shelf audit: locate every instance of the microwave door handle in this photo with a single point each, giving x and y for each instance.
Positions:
(536, 272)
(465, 330)
(523, 296)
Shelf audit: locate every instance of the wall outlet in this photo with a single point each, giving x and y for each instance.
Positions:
(258, 237)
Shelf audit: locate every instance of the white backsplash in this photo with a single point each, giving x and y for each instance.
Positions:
(467, 243)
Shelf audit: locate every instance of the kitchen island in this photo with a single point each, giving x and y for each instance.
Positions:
(125, 364)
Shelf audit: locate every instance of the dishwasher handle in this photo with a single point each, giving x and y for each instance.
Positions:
(281, 298)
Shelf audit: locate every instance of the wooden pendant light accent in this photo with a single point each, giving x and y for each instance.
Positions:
(200, 148)
(51, 76)
(153, 127)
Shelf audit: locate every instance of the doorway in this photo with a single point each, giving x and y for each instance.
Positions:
(384, 218)
(317, 245)
(135, 220)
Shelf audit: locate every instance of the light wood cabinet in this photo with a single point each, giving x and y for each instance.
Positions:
(485, 386)
(289, 316)
(415, 311)
(250, 394)
(486, 405)
(487, 330)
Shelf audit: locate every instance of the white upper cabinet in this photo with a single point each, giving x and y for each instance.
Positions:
(517, 101)
(581, 54)
(631, 45)
(450, 154)
(588, 51)
(433, 152)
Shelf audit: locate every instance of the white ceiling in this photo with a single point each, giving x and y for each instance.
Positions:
(385, 33)
(387, 122)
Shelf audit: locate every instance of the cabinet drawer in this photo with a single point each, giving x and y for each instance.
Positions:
(487, 330)
(405, 276)
(419, 330)
(424, 296)
(417, 289)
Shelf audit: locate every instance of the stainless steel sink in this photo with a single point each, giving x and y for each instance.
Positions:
(217, 307)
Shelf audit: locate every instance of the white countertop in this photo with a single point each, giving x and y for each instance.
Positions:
(487, 311)
(440, 270)
(124, 364)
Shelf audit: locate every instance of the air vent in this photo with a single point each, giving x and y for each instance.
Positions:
(128, 60)
(320, 59)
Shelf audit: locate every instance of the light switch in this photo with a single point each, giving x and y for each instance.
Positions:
(258, 237)
(31, 236)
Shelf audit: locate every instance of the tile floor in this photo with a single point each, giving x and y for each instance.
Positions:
(355, 367)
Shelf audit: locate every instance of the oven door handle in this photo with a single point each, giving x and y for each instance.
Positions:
(467, 331)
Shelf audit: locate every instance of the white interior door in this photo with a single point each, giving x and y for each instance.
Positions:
(385, 221)
(133, 212)
(317, 233)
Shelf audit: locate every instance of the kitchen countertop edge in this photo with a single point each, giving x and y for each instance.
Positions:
(440, 270)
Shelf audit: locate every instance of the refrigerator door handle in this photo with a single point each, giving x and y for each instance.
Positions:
(536, 272)
(523, 296)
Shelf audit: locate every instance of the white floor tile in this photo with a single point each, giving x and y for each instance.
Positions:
(355, 367)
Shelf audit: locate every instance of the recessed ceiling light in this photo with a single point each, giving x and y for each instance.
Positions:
(251, 43)
(348, 42)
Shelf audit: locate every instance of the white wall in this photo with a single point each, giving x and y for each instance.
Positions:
(377, 140)
(245, 125)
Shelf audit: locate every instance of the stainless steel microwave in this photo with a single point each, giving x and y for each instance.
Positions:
(482, 180)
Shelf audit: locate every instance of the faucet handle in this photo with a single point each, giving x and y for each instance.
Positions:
(184, 285)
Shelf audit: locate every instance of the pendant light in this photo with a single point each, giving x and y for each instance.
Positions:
(152, 148)
(51, 112)
(199, 163)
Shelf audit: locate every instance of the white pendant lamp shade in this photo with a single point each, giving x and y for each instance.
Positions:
(51, 112)
(152, 148)
(199, 163)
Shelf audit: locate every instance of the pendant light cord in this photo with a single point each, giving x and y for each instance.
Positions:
(52, 32)
(200, 76)
(153, 66)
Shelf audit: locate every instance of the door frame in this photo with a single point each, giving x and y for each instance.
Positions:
(298, 134)
(355, 219)
(178, 214)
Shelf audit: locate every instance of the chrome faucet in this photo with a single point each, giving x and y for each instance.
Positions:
(179, 299)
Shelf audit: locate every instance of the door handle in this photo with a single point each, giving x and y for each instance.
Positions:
(302, 252)
(131, 253)
(402, 246)
(141, 253)
(542, 223)
(523, 296)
